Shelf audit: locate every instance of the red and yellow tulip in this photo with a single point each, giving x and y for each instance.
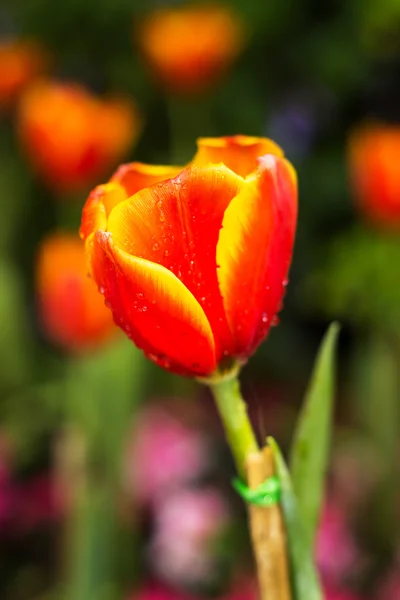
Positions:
(188, 48)
(70, 136)
(72, 312)
(374, 154)
(193, 262)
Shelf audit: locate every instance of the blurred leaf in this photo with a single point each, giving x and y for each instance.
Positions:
(102, 393)
(310, 446)
(377, 383)
(305, 582)
(356, 266)
(103, 390)
(15, 344)
(377, 405)
(92, 553)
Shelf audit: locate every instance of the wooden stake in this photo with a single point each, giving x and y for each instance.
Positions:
(267, 533)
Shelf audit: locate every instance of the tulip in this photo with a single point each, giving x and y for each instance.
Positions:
(71, 310)
(194, 267)
(72, 137)
(374, 152)
(189, 47)
(20, 62)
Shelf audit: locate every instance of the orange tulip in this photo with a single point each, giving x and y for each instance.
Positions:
(194, 267)
(189, 47)
(374, 154)
(20, 62)
(70, 136)
(72, 311)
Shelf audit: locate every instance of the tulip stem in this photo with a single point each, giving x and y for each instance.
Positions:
(233, 412)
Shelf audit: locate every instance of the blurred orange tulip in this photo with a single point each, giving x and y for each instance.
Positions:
(20, 62)
(189, 47)
(72, 137)
(194, 267)
(374, 156)
(72, 312)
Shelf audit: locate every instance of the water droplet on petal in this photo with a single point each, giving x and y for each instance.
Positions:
(264, 318)
(166, 253)
(101, 289)
(155, 246)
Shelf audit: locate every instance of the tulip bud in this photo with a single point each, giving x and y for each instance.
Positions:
(374, 152)
(188, 48)
(71, 310)
(71, 137)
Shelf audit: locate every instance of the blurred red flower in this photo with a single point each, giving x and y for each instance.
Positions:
(72, 312)
(70, 136)
(189, 47)
(194, 268)
(374, 152)
(21, 61)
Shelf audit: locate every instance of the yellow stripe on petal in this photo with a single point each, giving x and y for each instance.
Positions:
(254, 251)
(98, 206)
(159, 313)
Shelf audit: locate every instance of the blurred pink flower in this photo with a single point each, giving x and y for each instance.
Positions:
(6, 498)
(336, 550)
(241, 590)
(34, 503)
(155, 591)
(335, 594)
(390, 586)
(188, 523)
(164, 452)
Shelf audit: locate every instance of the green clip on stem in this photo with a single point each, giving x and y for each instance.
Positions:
(267, 494)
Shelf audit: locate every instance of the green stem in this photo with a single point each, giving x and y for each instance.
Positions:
(233, 412)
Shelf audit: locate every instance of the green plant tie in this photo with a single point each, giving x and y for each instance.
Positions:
(266, 494)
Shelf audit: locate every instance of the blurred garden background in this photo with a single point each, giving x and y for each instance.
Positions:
(86, 86)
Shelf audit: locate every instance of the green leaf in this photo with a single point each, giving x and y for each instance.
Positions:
(310, 446)
(304, 577)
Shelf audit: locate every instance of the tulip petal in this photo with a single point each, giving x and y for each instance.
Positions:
(239, 152)
(154, 309)
(254, 251)
(98, 206)
(176, 224)
(136, 175)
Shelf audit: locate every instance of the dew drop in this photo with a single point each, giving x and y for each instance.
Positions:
(156, 246)
(285, 282)
(101, 289)
(166, 253)
(144, 308)
(264, 318)
(139, 295)
(275, 321)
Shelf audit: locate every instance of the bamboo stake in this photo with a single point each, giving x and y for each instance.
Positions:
(267, 533)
